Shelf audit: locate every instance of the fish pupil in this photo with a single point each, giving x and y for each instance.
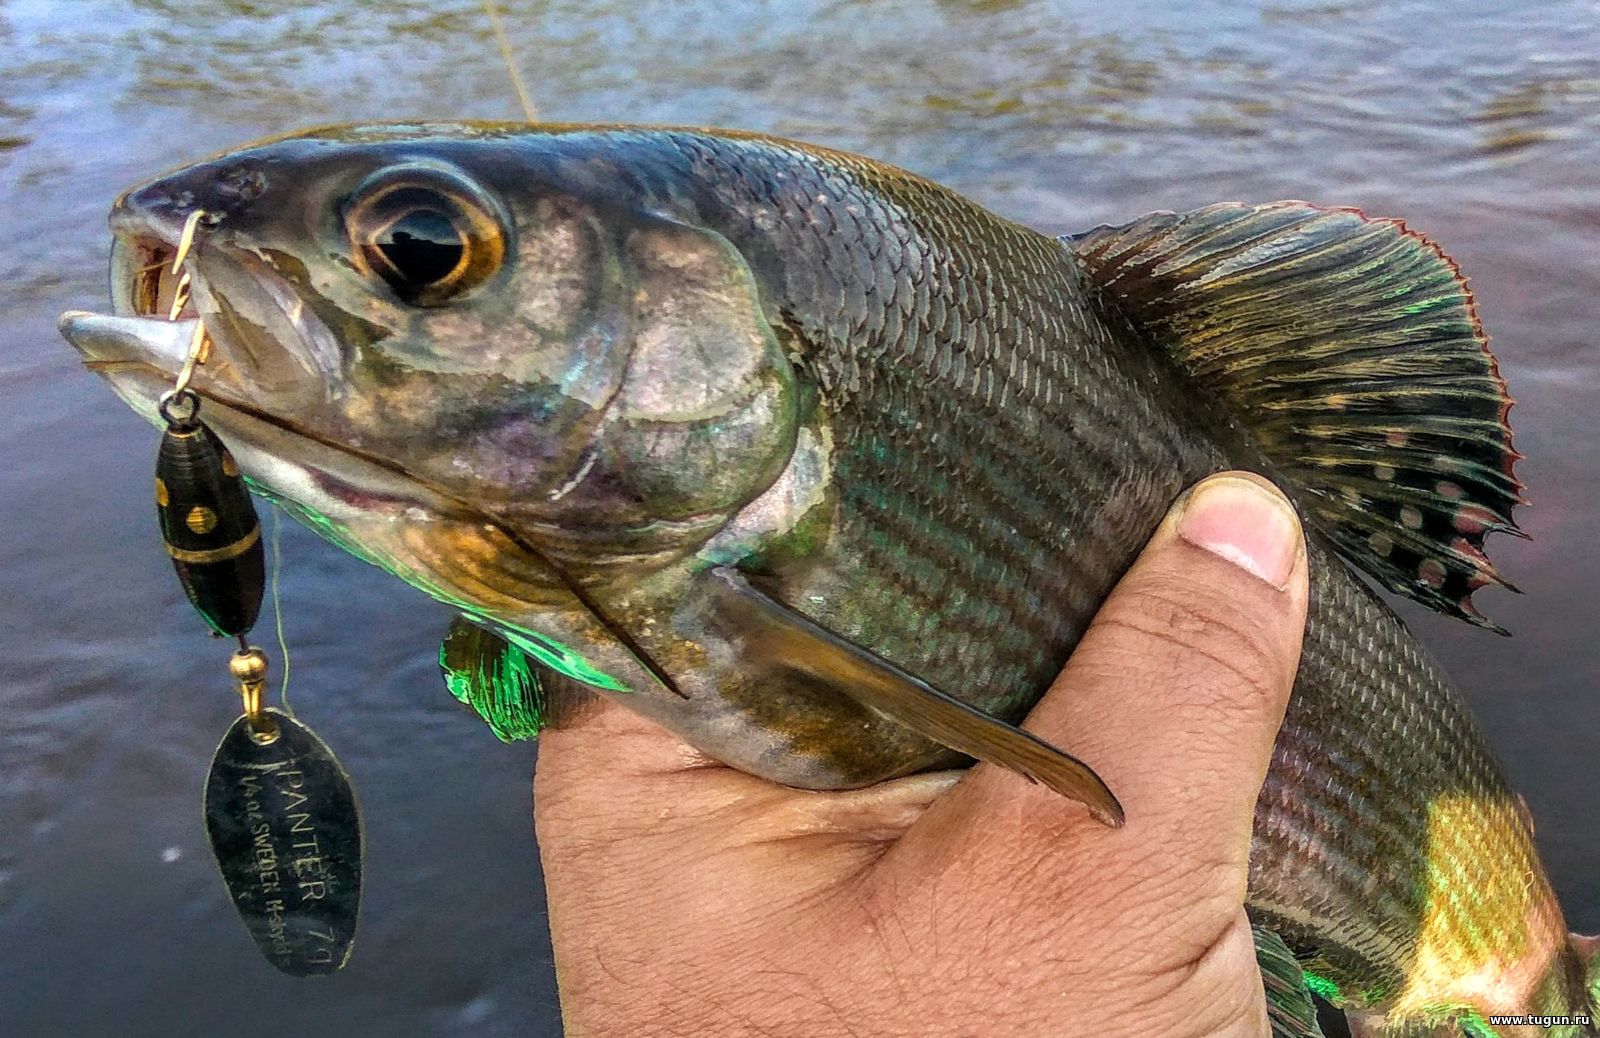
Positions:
(419, 249)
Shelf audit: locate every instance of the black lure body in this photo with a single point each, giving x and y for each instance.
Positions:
(210, 527)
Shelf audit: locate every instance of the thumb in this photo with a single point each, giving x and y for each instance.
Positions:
(1175, 696)
(1177, 691)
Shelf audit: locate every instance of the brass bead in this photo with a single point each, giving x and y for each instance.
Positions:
(248, 665)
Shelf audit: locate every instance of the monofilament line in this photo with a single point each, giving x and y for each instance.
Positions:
(493, 11)
(277, 608)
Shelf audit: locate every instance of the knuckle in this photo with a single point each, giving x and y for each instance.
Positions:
(1212, 988)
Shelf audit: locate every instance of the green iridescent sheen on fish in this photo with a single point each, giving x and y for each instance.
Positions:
(495, 679)
(826, 469)
(1322, 987)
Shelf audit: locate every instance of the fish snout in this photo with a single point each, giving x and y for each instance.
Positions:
(159, 209)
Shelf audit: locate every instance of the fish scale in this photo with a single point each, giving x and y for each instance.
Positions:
(1364, 935)
(1104, 439)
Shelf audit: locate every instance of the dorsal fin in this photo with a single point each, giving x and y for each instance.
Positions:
(1351, 350)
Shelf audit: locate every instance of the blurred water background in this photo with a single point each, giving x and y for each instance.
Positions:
(1478, 122)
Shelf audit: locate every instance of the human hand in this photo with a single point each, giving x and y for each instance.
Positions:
(687, 898)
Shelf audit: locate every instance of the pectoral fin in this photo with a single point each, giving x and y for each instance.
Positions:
(786, 637)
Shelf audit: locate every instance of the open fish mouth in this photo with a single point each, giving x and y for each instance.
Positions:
(142, 330)
(143, 282)
(139, 351)
(139, 357)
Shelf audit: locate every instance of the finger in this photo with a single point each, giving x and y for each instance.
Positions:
(1174, 696)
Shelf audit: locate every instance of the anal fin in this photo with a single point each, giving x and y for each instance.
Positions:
(784, 636)
(1290, 1008)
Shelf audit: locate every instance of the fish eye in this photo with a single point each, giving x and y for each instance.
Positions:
(427, 234)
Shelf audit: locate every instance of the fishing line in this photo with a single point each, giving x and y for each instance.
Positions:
(493, 11)
(277, 607)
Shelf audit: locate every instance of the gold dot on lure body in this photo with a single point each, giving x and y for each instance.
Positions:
(201, 519)
(161, 492)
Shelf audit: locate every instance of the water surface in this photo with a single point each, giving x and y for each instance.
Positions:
(1479, 123)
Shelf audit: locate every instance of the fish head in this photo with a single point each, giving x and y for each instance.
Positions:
(419, 334)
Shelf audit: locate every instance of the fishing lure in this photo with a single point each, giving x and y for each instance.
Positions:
(279, 808)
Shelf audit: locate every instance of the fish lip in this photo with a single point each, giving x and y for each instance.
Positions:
(105, 339)
(130, 221)
(348, 485)
(225, 276)
(138, 357)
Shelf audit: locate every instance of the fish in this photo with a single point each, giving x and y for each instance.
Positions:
(826, 469)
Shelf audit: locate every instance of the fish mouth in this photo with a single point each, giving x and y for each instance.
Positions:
(140, 347)
(139, 357)
(143, 282)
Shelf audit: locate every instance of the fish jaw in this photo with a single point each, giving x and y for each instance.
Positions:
(139, 358)
(378, 513)
(266, 342)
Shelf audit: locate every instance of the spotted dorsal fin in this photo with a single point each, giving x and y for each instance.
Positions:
(1351, 350)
